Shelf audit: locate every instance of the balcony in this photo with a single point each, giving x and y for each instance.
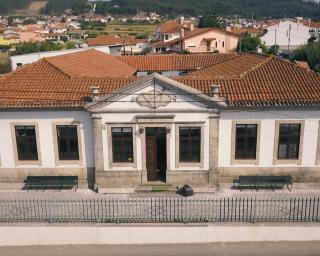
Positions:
(201, 49)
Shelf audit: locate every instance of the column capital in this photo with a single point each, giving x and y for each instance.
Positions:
(96, 116)
(214, 115)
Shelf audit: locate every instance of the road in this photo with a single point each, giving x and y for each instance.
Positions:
(238, 249)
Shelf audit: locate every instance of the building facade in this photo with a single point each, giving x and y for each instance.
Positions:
(124, 132)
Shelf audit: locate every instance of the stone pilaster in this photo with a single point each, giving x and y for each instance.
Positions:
(98, 146)
(214, 149)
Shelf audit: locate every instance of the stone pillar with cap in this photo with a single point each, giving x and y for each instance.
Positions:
(214, 149)
(97, 134)
(98, 142)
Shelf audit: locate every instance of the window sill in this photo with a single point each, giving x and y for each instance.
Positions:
(69, 162)
(245, 161)
(25, 162)
(288, 161)
(133, 165)
(189, 164)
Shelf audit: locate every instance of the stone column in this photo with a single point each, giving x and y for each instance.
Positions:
(98, 146)
(214, 149)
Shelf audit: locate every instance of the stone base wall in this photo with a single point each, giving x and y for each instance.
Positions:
(299, 174)
(85, 175)
(117, 178)
(194, 177)
(129, 179)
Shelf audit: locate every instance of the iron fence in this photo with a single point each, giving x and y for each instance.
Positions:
(158, 210)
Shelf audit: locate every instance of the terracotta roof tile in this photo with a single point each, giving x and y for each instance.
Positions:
(111, 40)
(234, 67)
(42, 85)
(171, 26)
(199, 31)
(272, 82)
(264, 81)
(91, 63)
(186, 62)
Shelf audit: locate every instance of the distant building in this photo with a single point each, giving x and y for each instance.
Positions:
(20, 60)
(174, 36)
(288, 34)
(129, 44)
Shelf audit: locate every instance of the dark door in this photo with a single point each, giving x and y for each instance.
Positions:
(156, 153)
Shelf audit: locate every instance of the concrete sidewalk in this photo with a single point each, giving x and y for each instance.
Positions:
(216, 249)
(28, 235)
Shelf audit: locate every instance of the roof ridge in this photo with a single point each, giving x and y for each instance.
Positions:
(237, 55)
(57, 68)
(260, 64)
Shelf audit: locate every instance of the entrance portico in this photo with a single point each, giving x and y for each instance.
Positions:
(167, 127)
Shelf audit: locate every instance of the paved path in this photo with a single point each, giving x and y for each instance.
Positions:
(234, 249)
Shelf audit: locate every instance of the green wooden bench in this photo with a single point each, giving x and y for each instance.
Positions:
(51, 182)
(264, 181)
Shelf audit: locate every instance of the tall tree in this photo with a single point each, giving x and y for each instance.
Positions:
(309, 53)
(209, 21)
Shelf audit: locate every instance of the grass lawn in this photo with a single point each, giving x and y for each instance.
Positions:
(127, 29)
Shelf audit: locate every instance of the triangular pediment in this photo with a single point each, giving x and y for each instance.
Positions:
(155, 91)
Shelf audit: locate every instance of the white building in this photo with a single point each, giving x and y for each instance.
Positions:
(242, 115)
(287, 34)
(19, 60)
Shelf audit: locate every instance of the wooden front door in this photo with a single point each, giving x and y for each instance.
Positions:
(156, 160)
(151, 154)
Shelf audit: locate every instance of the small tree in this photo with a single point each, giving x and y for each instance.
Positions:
(310, 53)
(29, 22)
(70, 45)
(248, 43)
(209, 21)
(274, 50)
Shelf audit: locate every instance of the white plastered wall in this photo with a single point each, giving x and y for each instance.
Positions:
(45, 120)
(268, 121)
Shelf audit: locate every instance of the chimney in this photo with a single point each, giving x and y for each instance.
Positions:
(182, 20)
(182, 32)
(95, 92)
(215, 89)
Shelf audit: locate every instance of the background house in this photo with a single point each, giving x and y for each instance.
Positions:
(288, 34)
(176, 37)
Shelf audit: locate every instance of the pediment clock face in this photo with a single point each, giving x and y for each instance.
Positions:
(154, 99)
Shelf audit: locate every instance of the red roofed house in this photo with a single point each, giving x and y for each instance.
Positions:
(176, 37)
(222, 115)
(130, 45)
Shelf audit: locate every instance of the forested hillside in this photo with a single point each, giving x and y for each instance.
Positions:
(8, 6)
(259, 8)
(245, 8)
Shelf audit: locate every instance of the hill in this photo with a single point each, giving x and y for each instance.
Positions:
(244, 8)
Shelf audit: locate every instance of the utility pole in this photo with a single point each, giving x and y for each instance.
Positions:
(275, 36)
(289, 39)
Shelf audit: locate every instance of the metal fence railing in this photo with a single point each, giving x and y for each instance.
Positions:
(161, 209)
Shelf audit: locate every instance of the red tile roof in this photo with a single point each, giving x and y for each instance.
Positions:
(112, 40)
(91, 63)
(272, 82)
(171, 26)
(234, 67)
(43, 85)
(199, 31)
(255, 81)
(164, 62)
